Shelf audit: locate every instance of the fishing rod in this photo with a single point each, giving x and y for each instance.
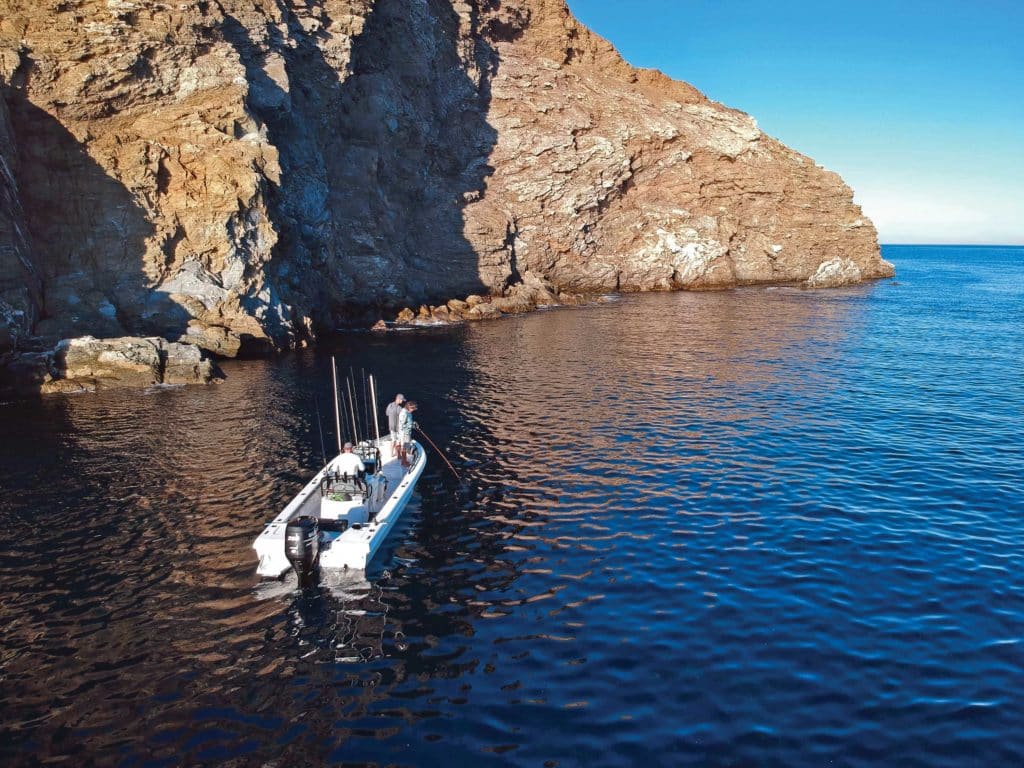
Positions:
(352, 411)
(439, 452)
(366, 403)
(356, 421)
(319, 428)
(337, 415)
(344, 418)
(373, 394)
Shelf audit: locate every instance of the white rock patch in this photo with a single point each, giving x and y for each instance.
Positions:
(689, 256)
(835, 272)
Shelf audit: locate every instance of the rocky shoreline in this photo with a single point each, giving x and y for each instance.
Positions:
(88, 364)
(535, 292)
(531, 292)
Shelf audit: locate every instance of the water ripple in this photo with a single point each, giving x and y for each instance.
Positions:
(758, 527)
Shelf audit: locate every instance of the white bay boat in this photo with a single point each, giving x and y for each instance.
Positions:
(339, 521)
(353, 516)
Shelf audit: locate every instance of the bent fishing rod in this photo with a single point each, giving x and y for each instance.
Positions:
(439, 452)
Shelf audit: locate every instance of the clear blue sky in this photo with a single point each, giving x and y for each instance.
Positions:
(918, 105)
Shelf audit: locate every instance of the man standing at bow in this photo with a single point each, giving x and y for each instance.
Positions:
(405, 427)
(393, 411)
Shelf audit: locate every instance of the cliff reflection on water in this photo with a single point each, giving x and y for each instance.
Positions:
(738, 527)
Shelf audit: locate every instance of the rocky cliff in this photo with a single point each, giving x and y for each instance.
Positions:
(243, 173)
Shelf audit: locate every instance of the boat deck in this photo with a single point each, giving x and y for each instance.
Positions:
(356, 545)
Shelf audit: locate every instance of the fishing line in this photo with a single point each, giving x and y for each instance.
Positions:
(439, 452)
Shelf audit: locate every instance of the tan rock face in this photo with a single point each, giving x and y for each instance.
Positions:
(240, 173)
(608, 177)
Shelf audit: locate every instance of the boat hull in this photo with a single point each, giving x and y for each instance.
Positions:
(354, 547)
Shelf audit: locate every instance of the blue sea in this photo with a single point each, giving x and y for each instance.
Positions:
(761, 527)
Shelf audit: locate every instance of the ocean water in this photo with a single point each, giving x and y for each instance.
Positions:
(758, 527)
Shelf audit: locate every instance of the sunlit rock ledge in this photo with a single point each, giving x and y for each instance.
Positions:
(534, 292)
(88, 364)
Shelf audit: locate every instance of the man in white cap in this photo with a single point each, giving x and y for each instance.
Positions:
(394, 410)
(349, 463)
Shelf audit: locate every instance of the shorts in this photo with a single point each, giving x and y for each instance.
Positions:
(395, 436)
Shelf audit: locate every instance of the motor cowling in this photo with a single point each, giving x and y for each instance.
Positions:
(302, 546)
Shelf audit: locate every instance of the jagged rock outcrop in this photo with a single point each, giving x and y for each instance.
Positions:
(241, 173)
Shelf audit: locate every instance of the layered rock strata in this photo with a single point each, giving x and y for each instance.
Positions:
(239, 174)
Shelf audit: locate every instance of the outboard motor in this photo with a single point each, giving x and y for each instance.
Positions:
(302, 548)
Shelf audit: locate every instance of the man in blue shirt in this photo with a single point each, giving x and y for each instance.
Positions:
(405, 427)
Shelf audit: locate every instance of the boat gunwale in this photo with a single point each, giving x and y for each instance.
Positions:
(379, 528)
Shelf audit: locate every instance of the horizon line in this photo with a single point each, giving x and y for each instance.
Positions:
(956, 245)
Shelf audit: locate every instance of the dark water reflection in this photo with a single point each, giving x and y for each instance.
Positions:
(765, 527)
